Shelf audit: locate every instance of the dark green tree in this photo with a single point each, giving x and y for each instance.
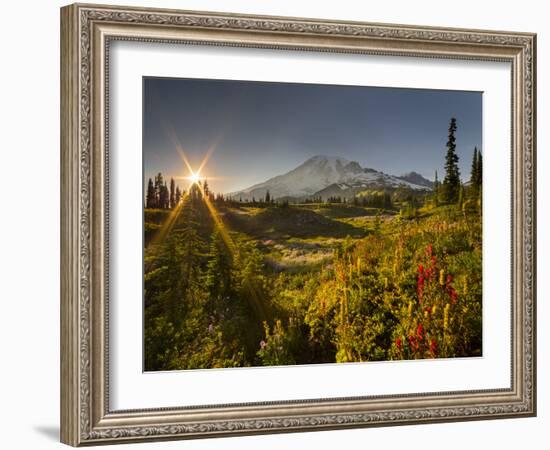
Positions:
(479, 170)
(436, 190)
(159, 182)
(451, 182)
(172, 193)
(474, 177)
(267, 197)
(151, 198)
(164, 197)
(177, 196)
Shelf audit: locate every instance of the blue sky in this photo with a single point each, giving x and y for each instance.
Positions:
(258, 130)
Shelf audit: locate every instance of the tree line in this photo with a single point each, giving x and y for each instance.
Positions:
(160, 195)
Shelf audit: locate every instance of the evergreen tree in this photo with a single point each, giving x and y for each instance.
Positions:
(159, 182)
(436, 190)
(151, 199)
(177, 196)
(451, 182)
(172, 193)
(164, 197)
(474, 177)
(267, 197)
(479, 170)
(206, 189)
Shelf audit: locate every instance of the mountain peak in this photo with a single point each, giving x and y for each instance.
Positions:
(353, 167)
(416, 178)
(325, 159)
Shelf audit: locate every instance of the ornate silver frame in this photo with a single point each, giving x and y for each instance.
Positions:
(86, 31)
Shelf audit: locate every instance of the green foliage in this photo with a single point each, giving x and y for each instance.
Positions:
(275, 350)
(403, 289)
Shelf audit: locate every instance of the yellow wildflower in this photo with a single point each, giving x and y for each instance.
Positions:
(446, 316)
(442, 277)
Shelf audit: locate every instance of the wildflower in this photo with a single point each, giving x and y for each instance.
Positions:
(465, 287)
(433, 347)
(420, 283)
(210, 328)
(425, 314)
(409, 309)
(420, 332)
(449, 280)
(398, 343)
(428, 309)
(263, 344)
(446, 316)
(358, 264)
(453, 295)
(434, 309)
(442, 277)
(386, 283)
(413, 342)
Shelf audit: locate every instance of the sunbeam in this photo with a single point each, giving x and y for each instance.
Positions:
(258, 303)
(167, 225)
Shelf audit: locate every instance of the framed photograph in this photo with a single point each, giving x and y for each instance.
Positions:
(275, 224)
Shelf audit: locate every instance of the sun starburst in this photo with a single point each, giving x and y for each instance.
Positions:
(194, 178)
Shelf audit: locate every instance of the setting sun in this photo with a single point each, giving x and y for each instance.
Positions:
(194, 177)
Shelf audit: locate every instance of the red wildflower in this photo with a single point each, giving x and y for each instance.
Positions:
(413, 342)
(419, 332)
(428, 309)
(453, 295)
(420, 287)
(433, 348)
(449, 280)
(420, 282)
(399, 343)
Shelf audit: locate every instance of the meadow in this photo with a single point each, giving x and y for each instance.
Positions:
(233, 284)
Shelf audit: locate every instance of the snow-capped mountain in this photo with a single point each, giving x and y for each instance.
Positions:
(319, 173)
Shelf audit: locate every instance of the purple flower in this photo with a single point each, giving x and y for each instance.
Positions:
(210, 328)
(263, 344)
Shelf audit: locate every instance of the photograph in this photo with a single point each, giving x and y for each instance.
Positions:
(280, 221)
(297, 224)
